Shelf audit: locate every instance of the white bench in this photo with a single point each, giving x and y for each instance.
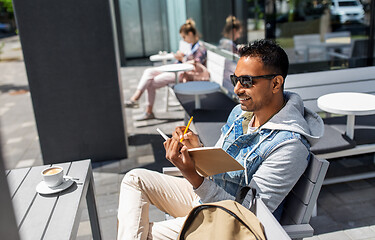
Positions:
(310, 86)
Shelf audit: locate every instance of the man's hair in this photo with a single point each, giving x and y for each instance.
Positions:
(272, 55)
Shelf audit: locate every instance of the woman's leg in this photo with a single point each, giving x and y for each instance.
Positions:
(141, 187)
(161, 80)
(147, 76)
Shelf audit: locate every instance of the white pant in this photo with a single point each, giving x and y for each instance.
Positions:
(152, 80)
(139, 188)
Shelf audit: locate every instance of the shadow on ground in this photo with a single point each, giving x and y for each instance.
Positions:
(158, 152)
(161, 121)
(13, 88)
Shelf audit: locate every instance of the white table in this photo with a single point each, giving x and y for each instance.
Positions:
(53, 216)
(196, 88)
(350, 104)
(162, 57)
(177, 67)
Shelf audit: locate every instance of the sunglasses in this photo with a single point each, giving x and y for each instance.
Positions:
(247, 81)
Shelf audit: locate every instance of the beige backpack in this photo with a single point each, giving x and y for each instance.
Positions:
(221, 220)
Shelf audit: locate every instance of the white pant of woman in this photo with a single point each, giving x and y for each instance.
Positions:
(153, 79)
(139, 189)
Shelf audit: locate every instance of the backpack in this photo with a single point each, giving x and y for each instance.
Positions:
(226, 219)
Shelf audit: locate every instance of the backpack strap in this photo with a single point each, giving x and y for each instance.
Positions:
(247, 198)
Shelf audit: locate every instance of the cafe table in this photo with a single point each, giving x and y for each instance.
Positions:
(53, 215)
(350, 104)
(196, 88)
(163, 57)
(175, 68)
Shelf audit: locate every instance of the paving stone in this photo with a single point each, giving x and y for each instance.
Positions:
(327, 199)
(108, 227)
(107, 189)
(84, 230)
(361, 233)
(312, 238)
(155, 214)
(339, 235)
(352, 212)
(367, 194)
(324, 224)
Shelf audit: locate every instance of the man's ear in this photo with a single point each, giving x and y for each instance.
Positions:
(278, 82)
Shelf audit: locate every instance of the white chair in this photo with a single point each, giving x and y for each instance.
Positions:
(338, 37)
(301, 48)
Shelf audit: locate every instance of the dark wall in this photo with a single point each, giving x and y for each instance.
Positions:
(72, 65)
(214, 14)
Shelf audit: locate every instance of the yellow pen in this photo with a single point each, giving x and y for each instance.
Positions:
(186, 129)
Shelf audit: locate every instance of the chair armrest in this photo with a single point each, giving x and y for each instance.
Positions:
(173, 171)
(299, 230)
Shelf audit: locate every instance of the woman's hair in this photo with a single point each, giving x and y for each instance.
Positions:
(189, 26)
(231, 22)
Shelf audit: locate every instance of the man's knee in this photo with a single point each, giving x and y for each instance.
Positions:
(134, 177)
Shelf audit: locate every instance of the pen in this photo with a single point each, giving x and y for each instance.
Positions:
(186, 129)
(162, 134)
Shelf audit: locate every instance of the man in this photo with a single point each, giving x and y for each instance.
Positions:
(269, 133)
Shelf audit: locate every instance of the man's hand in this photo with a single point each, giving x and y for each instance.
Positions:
(178, 155)
(190, 139)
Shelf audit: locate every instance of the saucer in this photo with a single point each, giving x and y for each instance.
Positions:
(42, 188)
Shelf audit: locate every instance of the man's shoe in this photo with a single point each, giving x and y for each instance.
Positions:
(145, 116)
(131, 104)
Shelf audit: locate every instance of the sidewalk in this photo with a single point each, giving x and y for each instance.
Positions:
(345, 211)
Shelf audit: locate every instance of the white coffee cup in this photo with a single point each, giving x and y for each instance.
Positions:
(53, 176)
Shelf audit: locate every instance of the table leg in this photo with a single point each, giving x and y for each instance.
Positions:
(167, 98)
(176, 75)
(91, 207)
(197, 101)
(307, 54)
(350, 121)
(164, 61)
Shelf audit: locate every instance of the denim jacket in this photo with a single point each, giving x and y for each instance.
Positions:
(249, 150)
(274, 157)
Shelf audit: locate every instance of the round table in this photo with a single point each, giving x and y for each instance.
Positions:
(350, 104)
(196, 88)
(177, 67)
(162, 57)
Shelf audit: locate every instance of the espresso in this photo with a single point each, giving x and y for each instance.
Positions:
(52, 171)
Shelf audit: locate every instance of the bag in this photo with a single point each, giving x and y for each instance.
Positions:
(221, 220)
(199, 73)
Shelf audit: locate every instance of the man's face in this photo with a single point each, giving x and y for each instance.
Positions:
(258, 97)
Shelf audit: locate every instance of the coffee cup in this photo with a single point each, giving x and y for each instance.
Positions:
(53, 176)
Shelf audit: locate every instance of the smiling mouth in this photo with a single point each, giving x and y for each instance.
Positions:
(242, 98)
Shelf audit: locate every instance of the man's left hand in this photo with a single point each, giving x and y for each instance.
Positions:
(178, 155)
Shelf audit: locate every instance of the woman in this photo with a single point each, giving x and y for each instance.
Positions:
(153, 79)
(232, 32)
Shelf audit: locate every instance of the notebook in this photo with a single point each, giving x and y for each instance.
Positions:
(213, 160)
